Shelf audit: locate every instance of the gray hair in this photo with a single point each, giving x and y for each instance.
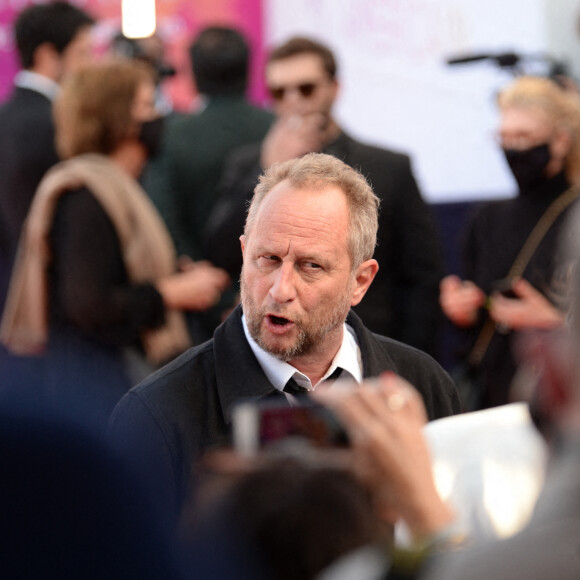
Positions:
(318, 171)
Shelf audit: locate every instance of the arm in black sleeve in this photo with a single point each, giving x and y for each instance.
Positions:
(89, 282)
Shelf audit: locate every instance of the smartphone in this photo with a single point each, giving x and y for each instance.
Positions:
(257, 425)
(504, 287)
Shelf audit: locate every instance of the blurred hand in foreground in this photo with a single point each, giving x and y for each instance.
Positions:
(384, 418)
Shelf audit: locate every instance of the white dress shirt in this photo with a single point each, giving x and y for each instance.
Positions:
(26, 79)
(348, 358)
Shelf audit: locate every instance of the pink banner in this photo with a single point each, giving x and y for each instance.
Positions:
(177, 23)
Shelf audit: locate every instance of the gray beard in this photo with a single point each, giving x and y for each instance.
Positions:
(307, 340)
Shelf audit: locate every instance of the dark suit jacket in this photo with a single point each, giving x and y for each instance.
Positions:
(402, 301)
(183, 181)
(27, 151)
(185, 408)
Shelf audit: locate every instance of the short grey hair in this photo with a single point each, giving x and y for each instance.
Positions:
(319, 171)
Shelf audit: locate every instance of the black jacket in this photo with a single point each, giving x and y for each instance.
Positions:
(185, 408)
(27, 151)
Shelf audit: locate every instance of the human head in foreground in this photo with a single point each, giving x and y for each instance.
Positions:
(308, 245)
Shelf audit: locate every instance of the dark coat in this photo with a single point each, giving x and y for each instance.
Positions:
(27, 151)
(183, 181)
(493, 239)
(185, 408)
(402, 302)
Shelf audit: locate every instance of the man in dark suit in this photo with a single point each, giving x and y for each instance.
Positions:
(301, 77)
(51, 39)
(183, 181)
(307, 252)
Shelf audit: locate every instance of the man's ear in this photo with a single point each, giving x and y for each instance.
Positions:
(243, 242)
(364, 275)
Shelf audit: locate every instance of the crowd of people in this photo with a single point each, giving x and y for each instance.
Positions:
(128, 345)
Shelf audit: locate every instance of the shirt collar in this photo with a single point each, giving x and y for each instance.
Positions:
(26, 79)
(279, 372)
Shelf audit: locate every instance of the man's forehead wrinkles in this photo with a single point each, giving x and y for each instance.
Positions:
(293, 217)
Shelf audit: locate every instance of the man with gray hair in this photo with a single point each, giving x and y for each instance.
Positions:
(307, 259)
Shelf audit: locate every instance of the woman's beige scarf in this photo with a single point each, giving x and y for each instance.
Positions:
(145, 245)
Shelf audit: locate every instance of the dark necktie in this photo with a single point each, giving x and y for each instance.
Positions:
(295, 389)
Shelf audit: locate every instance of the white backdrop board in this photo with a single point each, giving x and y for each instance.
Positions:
(398, 91)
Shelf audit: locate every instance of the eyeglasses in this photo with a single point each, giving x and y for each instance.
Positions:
(306, 90)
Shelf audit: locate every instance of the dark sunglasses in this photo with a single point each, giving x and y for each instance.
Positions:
(305, 89)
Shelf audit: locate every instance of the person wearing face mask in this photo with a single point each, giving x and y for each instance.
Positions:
(95, 288)
(511, 262)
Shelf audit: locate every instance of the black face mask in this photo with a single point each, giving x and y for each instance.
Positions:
(528, 165)
(151, 135)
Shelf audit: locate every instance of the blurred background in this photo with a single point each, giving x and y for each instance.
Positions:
(398, 88)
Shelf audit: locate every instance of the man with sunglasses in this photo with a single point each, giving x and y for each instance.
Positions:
(301, 77)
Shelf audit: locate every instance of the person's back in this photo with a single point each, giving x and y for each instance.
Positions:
(183, 182)
(196, 149)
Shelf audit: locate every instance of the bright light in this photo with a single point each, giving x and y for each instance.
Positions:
(138, 18)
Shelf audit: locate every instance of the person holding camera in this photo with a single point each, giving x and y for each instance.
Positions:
(307, 249)
(510, 254)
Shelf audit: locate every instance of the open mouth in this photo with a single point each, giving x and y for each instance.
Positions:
(278, 320)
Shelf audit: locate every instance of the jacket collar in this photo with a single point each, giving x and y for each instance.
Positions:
(240, 376)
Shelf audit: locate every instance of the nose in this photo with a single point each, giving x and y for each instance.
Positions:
(283, 288)
(293, 103)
